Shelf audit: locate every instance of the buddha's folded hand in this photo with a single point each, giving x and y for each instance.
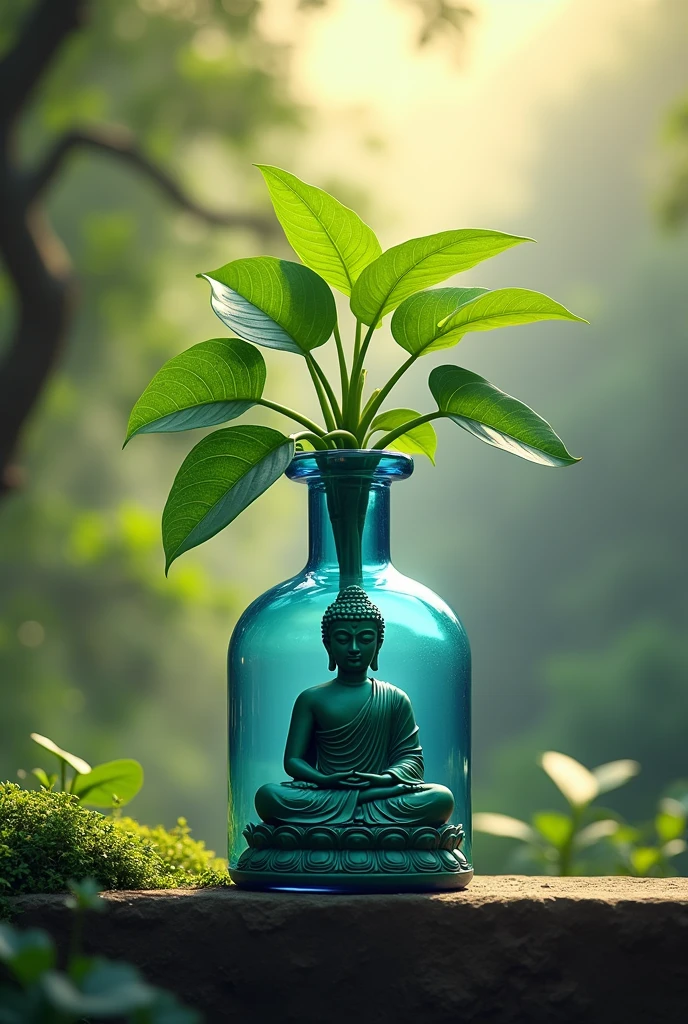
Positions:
(376, 780)
(345, 780)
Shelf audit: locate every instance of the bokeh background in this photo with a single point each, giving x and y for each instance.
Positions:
(566, 120)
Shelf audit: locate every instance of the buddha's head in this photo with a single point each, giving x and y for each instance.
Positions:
(352, 631)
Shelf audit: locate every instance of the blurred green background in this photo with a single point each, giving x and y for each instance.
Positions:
(560, 119)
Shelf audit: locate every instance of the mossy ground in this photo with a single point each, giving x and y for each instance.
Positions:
(49, 839)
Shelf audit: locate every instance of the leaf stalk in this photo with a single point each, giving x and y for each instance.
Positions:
(345, 434)
(317, 378)
(292, 415)
(343, 370)
(373, 406)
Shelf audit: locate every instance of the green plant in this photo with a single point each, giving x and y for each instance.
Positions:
(91, 987)
(555, 840)
(650, 849)
(559, 843)
(111, 784)
(279, 304)
(48, 838)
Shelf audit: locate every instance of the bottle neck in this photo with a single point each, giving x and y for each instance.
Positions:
(360, 512)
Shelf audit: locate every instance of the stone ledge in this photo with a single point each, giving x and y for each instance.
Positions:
(507, 950)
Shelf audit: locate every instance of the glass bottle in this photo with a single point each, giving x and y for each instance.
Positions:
(276, 650)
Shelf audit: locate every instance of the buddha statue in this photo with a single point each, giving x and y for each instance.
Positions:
(352, 749)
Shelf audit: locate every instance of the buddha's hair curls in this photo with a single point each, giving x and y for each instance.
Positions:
(353, 605)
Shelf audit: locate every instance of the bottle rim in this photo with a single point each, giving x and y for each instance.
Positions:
(383, 466)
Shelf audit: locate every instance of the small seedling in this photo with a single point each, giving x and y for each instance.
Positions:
(111, 784)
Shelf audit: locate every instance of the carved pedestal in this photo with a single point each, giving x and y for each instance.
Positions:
(353, 858)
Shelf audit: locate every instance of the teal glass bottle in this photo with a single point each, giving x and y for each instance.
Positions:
(276, 650)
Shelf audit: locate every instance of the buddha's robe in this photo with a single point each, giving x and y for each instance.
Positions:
(382, 738)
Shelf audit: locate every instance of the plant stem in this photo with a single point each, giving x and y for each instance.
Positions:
(329, 390)
(371, 399)
(319, 390)
(373, 406)
(307, 435)
(357, 340)
(360, 354)
(343, 372)
(342, 433)
(63, 776)
(360, 384)
(348, 496)
(404, 429)
(76, 937)
(566, 851)
(296, 416)
(356, 385)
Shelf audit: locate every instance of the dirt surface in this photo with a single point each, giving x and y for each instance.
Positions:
(507, 950)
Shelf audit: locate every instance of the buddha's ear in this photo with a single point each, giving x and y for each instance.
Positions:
(332, 663)
(373, 663)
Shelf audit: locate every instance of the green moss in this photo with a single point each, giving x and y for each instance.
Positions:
(48, 839)
(176, 847)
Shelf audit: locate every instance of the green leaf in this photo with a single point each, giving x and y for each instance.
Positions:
(644, 858)
(614, 774)
(495, 417)
(274, 303)
(166, 1010)
(603, 829)
(218, 479)
(503, 825)
(327, 236)
(77, 763)
(208, 384)
(571, 778)
(670, 805)
(670, 822)
(26, 953)
(108, 989)
(111, 784)
(555, 828)
(415, 324)
(678, 792)
(420, 263)
(421, 440)
(85, 895)
(47, 781)
(505, 307)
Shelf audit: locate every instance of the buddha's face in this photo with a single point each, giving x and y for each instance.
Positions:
(353, 646)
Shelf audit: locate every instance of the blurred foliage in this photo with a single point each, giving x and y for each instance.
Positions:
(93, 641)
(673, 201)
(91, 988)
(46, 839)
(589, 839)
(590, 577)
(438, 19)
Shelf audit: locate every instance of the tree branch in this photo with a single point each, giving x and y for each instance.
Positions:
(45, 292)
(38, 267)
(44, 32)
(120, 143)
